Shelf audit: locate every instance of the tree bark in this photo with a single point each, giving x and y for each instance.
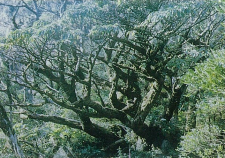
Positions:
(174, 103)
(147, 103)
(8, 130)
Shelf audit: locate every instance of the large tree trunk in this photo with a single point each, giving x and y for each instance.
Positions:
(173, 105)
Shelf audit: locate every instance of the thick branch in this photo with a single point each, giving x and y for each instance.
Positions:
(107, 112)
(130, 44)
(174, 103)
(58, 120)
(147, 103)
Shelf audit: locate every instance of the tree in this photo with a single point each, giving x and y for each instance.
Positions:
(115, 66)
(6, 126)
(207, 81)
(205, 84)
(16, 15)
(22, 14)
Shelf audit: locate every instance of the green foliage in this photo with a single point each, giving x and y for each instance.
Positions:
(47, 140)
(114, 72)
(202, 142)
(207, 80)
(5, 151)
(208, 76)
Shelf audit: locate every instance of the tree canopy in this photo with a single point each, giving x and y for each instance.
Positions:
(122, 75)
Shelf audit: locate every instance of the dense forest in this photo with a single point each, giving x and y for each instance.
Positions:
(112, 78)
